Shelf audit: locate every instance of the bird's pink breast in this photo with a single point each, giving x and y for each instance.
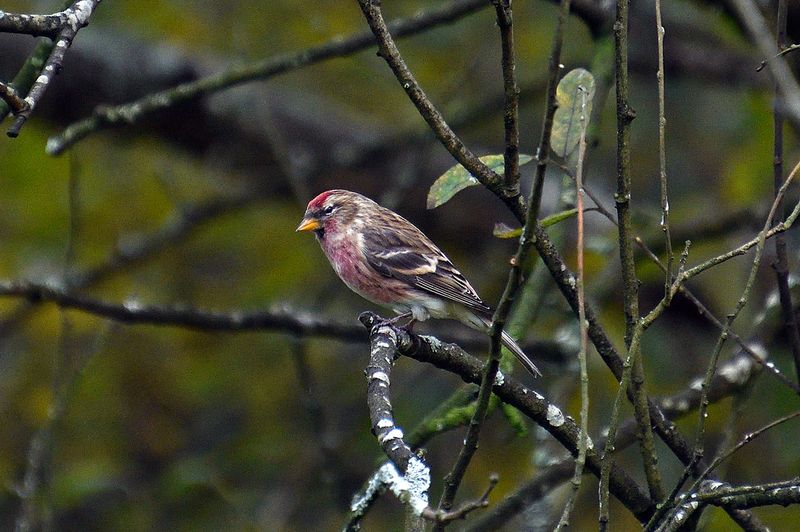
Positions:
(351, 267)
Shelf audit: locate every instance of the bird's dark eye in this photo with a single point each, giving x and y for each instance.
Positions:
(329, 209)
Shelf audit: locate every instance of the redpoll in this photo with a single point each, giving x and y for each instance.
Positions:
(385, 259)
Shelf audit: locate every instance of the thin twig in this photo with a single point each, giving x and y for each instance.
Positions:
(754, 22)
(511, 94)
(630, 282)
(662, 149)
(744, 441)
(622, 196)
(697, 452)
(67, 365)
(784, 51)
(72, 20)
(565, 281)
(453, 480)
(543, 149)
(781, 263)
(584, 346)
(744, 248)
(759, 358)
(742, 301)
(12, 99)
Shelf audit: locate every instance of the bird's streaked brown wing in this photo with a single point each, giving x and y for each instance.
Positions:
(410, 256)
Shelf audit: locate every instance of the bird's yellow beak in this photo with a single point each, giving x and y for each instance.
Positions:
(308, 224)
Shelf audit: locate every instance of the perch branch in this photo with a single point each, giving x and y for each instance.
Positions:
(406, 475)
(452, 358)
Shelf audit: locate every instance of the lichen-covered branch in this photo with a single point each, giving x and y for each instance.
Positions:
(546, 414)
(62, 27)
(406, 474)
(50, 26)
(11, 98)
(732, 498)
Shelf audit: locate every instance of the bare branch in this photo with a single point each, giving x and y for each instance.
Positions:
(10, 96)
(757, 27)
(781, 263)
(511, 94)
(68, 22)
(388, 50)
(732, 498)
(283, 319)
(583, 352)
(630, 282)
(452, 358)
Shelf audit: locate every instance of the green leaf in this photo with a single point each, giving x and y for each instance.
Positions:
(458, 178)
(501, 230)
(558, 217)
(574, 89)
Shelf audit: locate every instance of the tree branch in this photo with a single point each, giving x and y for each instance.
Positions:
(389, 52)
(12, 99)
(511, 94)
(130, 113)
(452, 358)
(630, 282)
(63, 27)
(781, 263)
(754, 21)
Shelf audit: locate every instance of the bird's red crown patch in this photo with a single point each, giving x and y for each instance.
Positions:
(319, 200)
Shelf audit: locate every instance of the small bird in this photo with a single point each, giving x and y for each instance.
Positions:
(385, 259)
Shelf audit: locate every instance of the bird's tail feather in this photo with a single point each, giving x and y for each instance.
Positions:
(480, 322)
(520, 354)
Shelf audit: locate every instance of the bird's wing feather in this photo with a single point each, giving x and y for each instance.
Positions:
(411, 257)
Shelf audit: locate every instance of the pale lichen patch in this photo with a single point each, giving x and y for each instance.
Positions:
(554, 415)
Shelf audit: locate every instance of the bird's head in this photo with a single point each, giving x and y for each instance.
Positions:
(332, 210)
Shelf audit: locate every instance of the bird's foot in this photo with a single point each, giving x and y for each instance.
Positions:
(409, 325)
(371, 320)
